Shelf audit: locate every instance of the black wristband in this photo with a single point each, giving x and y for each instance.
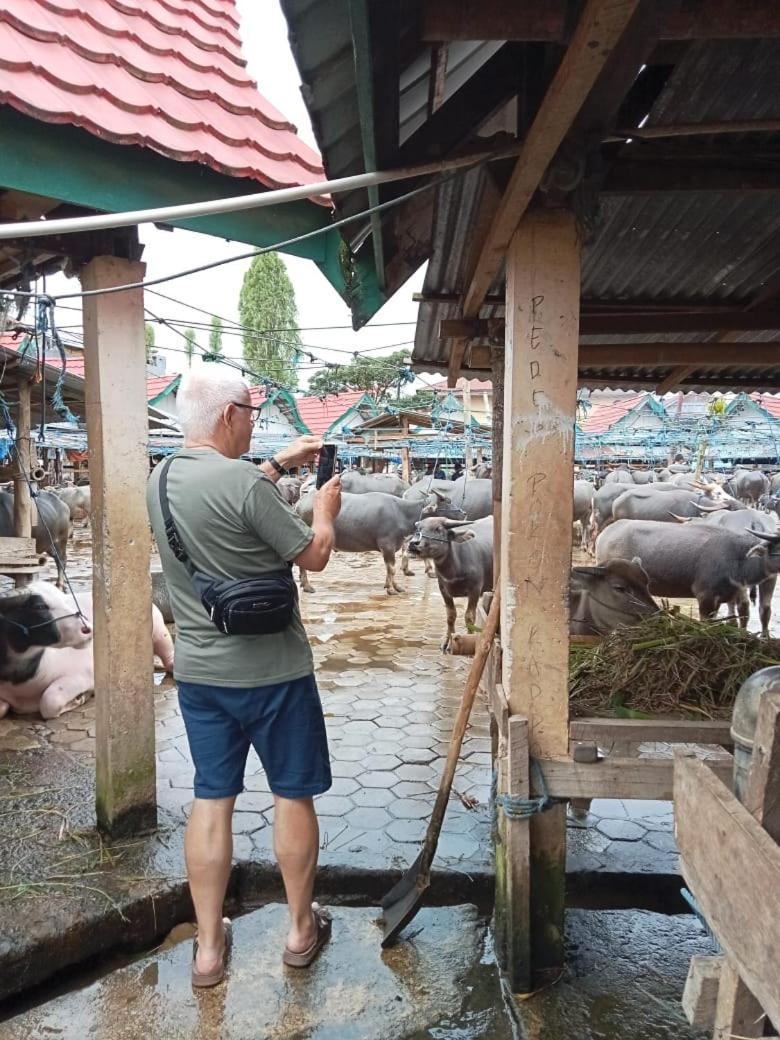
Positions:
(278, 467)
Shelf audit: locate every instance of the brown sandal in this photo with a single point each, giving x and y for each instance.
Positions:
(202, 979)
(324, 924)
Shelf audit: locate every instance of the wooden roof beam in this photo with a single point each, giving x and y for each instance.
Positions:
(612, 323)
(551, 21)
(599, 29)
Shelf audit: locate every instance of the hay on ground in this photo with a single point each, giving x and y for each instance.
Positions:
(667, 665)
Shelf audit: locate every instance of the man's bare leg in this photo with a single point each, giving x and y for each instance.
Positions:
(296, 845)
(208, 848)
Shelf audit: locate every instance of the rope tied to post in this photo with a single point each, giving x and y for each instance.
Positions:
(517, 808)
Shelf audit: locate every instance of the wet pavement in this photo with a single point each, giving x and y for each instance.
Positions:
(389, 697)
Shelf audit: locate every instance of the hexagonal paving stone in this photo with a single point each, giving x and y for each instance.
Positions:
(247, 822)
(662, 841)
(406, 830)
(356, 739)
(410, 808)
(381, 763)
(343, 785)
(457, 846)
(413, 789)
(254, 801)
(417, 756)
(383, 747)
(368, 819)
(608, 809)
(410, 772)
(378, 779)
(373, 797)
(621, 830)
(331, 827)
(346, 752)
(332, 804)
(354, 770)
(360, 726)
(350, 680)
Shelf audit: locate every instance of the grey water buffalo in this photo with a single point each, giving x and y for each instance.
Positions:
(359, 484)
(601, 597)
(706, 562)
(463, 557)
(583, 506)
(469, 499)
(51, 527)
(619, 476)
(372, 522)
(601, 513)
(749, 486)
(482, 471)
(605, 597)
(77, 499)
(774, 483)
(46, 658)
(643, 476)
(664, 502)
(423, 487)
(290, 489)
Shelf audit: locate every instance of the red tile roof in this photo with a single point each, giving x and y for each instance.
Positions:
(74, 363)
(319, 414)
(156, 384)
(770, 403)
(163, 74)
(604, 416)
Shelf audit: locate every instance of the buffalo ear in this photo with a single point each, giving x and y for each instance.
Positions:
(757, 550)
(460, 536)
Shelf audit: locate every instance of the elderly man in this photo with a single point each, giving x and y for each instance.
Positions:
(237, 690)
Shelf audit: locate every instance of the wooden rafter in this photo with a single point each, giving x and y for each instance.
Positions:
(599, 29)
(608, 323)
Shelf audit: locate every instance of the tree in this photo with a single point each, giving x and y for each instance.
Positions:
(420, 401)
(215, 336)
(149, 336)
(191, 341)
(375, 376)
(269, 315)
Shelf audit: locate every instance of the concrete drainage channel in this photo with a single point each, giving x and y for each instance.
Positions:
(441, 983)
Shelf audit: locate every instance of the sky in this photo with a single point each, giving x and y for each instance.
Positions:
(271, 64)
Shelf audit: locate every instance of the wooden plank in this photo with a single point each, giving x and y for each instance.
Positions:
(493, 20)
(677, 376)
(599, 29)
(437, 77)
(543, 281)
(15, 550)
(732, 866)
(720, 354)
(516, 898)
(700, 996)
(737, 1012)
(118, 468)
(762, 797)
(630, 321)
(496, 364)
(615, 777)
(456, 360)
(662, 731)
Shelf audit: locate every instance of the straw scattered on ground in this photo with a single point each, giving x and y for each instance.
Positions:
(667, 665)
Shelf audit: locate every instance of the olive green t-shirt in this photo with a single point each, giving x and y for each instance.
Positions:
(234, 524)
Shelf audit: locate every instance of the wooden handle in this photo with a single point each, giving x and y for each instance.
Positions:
(458, 732)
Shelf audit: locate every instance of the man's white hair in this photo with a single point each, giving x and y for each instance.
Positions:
(203, 395)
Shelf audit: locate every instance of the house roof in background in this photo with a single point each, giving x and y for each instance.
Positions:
(166, 77)
(604, 416)
(321, 413)
(158, 387)
(477, 386)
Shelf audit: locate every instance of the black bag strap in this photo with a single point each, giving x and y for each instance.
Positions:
(171, 530)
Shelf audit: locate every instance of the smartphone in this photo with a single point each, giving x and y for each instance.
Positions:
(326, 467)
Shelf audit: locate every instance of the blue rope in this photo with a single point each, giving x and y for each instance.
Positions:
(516, 808)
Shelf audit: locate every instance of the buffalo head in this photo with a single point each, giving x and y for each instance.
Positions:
(605, 597)
(41, 615)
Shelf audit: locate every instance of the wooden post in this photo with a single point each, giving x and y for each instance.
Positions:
(117, 430)
(405, 464)
(22, 501)
(512, 864)
(542, 306)
(497, 359)
(467, 459)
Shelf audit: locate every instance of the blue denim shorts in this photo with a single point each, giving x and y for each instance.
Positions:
(283, 722)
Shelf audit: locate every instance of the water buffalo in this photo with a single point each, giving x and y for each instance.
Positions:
(601, 514)
(749, 486)
(643, 476)
(774, 483)
(77, 499)
(469, 499)
(372, 522)
(290, 489)
(664, 502)
(706, 562)
(53, 516)
(583, 506)
(387, 483)
(46, 660)
(601, 597)
(422, 489)
(619, 476)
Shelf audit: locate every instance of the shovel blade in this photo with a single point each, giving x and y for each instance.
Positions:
(402, 902)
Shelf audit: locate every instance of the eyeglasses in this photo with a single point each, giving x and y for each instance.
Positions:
(250, 407)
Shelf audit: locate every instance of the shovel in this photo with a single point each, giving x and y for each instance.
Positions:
(404, 899)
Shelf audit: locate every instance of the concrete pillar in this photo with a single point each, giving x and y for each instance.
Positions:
(542, 326)
(117, 431)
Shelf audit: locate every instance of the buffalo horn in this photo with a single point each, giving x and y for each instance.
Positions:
(681, 519)
(773, 539)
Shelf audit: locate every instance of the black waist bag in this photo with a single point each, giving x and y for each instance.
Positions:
(245, 607)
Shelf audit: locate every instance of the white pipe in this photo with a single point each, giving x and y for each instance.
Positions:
(69, 225)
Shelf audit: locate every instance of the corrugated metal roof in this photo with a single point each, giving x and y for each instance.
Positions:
(694, 247)
(166, 77)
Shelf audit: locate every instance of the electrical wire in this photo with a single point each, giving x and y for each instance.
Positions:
(108, 290)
